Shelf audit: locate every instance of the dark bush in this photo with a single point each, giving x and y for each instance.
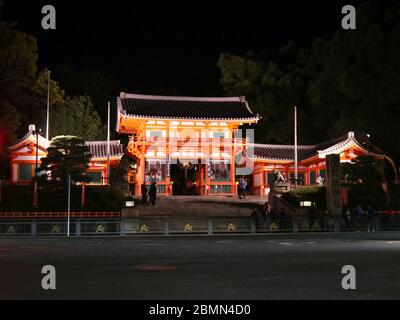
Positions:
(394, 192)
(367, 195)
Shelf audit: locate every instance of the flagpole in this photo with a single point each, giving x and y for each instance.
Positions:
(48, 105)
(108, 143)
(295, 147)
(69, 204)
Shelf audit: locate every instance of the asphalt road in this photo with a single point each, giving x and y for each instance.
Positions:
(207, 267)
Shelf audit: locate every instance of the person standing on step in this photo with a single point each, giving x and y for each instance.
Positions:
(242, 188)
(144, 193)
(153, 193)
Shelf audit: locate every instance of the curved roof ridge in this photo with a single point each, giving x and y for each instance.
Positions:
(261, 145)
(124, 95)
(102, 142)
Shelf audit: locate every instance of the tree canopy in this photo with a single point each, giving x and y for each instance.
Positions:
(23, 95)
(77, 116)
(347, 82)
(66, 155)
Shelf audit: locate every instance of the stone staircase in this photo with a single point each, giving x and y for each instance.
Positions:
(199, 207)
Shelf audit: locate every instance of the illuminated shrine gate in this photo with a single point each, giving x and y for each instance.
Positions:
(175, 140)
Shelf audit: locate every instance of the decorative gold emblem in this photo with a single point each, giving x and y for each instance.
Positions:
(274, 226)
(316, 226)
(56, 229)
(11, 229)
(188, 227)
(133, 148)
(232, 227)
(144, 228)
(100, 228)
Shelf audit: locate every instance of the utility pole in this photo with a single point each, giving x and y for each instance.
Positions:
(108, 143)
(48, 106)
(35, 191)
(296, 173)
(69, 205)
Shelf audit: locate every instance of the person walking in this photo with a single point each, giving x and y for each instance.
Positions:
(153, 193)
(359, 216)
(267, 215)
(282, 219)
(144, 193)
(371, 219)
(190, 187)
(242, 188)
(347, 218)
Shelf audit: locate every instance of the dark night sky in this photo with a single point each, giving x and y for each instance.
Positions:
(174, 45)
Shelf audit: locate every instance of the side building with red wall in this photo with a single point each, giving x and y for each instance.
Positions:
(28, 151)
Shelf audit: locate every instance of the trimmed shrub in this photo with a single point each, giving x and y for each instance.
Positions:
(316, 194)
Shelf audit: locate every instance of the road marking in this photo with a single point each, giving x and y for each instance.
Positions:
(150, 267)
(392, 242)
(226, 242)
(286, 243)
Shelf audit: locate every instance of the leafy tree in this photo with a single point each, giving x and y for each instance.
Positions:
(9, 121)
(77, 116)
(273, 88)
(355, 78)
(18, 58)
(97, 84)
(66, 155)
(18, 55)
(347, 82)
(364, 178)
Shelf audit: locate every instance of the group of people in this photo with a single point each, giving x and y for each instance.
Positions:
(266, 214)
(149, 196)
(360, 218)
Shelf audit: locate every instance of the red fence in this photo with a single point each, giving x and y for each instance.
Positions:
(389, 212)
(58, 215)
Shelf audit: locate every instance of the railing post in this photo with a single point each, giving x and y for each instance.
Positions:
(378, 224)
(210, 227)
(295, 225)
(252, 225)
(166, 228)
(122, 228)
(78, 228)
(337, 224)
(33, 228)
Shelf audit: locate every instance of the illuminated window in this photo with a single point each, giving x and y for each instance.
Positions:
(156, 170)
(300, 178)
(220, 171)
(270, 178)
(313, 177)
(25, 171)
(95, 177)
(155, 133)
(218, 135)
